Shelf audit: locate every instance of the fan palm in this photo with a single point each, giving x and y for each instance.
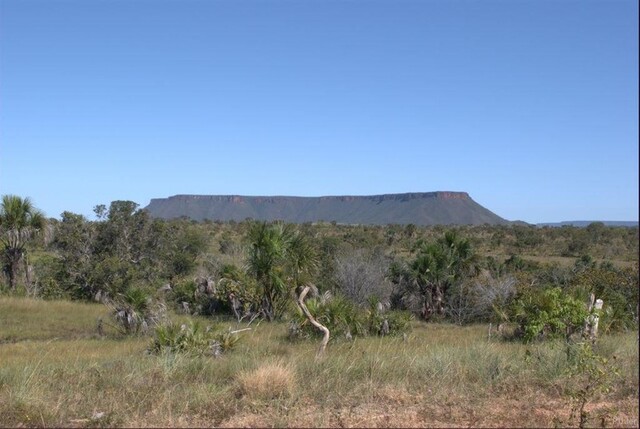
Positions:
(20, 221)
(265, 263)
(279, 259)
(437, 266)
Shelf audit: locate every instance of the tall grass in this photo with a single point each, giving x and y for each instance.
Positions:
(30, 319)
(440, 376)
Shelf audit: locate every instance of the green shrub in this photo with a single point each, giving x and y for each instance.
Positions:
(134, 311)
(184, 292)
(397, 322)
(236, 285)
(589, 374)
(549, 313)
(618, 288)
(192, 339)
(337, 313)
(345, 319)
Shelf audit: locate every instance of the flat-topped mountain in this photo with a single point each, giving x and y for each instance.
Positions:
(585, 223)
(418, 208)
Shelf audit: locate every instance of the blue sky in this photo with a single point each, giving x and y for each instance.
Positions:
(529, 106)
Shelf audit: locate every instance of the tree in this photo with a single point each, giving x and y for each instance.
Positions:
(20, 222)
(280, 259)
(170, 249)
(116, 250)
(74, 241)
(267, 254)
(302, 260)
(117, 235)
(131, 247)
(436, 268)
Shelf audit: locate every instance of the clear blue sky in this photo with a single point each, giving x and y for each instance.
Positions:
(529, 106)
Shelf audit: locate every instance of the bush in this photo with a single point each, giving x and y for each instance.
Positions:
(382, 322)
(618, 288)
(184, 292)
(361, 274)
(238, 293)
(337, 313)
(234, 293)
(549, 313)
(192, 339)
(345, 319)
(134, 311)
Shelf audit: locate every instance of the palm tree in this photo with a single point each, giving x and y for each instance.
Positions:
(302, 260)
(438, 266)
(280, 259)
(20, 221)
(267, 253)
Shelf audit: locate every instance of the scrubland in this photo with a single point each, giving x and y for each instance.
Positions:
(57, 371)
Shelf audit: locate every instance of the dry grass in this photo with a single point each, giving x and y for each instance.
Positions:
(442, 375)
(268, 381)
(569, 261)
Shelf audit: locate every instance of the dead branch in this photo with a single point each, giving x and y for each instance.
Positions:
(313, 321)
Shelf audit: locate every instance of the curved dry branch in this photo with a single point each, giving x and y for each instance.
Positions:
(313, 321)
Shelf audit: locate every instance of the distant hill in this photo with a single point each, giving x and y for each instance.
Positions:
(418, 208)
(585, 223)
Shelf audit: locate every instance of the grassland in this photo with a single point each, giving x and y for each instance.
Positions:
(56, 371)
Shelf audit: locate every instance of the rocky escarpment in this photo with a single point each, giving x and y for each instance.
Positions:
(418, 208)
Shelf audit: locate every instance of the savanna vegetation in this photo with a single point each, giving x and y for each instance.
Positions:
(132, 321)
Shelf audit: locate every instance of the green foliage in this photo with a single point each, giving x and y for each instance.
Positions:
(618, 288)
(227, 340)
(549, 313)
(238, 291)
(345, 319)
(399, 322)
(192, 339)
(46, 285)
(111, 275)
(341, 316)
(516, 263)
(393, 323)
(184, 291)
(328, 247)
(436, 267)
(526, 236)
(20, 222)
(183, 246)
(280, 258)
(433, 269)
(266, 263)
(137, 299)
(590, 374)
(135, 311)
(123, 248)
(73, 244)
